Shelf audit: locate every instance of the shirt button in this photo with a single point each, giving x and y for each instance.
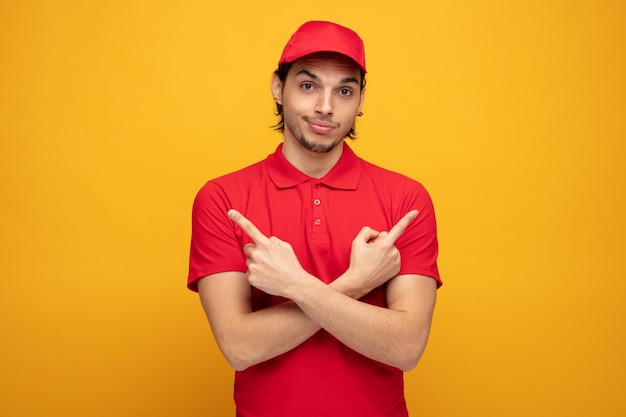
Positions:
(317, 222)
(317, 201)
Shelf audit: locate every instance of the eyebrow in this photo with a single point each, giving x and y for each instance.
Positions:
(315, 77)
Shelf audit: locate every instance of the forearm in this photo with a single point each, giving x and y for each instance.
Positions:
(392, 336)
(264, 334)
(258, 336)
(248, 337)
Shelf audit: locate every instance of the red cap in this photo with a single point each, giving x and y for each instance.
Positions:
(319, 36)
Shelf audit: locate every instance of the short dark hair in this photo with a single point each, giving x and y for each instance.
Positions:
(281, 72)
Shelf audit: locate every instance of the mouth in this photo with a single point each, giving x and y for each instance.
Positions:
(320, 125)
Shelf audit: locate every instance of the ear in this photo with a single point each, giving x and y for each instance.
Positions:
(277, 89)
(360, 113)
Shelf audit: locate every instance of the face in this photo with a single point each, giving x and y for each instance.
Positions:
(321, 98)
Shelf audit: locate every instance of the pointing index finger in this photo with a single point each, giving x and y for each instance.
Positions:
(399, 228)
(247, 226)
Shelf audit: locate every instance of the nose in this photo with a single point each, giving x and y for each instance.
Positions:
(324, 104)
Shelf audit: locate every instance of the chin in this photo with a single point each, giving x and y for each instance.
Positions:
(318, 147)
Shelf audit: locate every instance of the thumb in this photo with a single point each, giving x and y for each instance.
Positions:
(367, 234)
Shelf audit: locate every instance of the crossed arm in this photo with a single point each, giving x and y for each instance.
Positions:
(396, 335)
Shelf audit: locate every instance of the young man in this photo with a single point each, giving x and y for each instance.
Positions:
(317, 270)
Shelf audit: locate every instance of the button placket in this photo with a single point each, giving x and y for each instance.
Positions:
(317, 209)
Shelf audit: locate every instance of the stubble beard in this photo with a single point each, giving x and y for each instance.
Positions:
(311, 145)
(291, 125)
(316, 146)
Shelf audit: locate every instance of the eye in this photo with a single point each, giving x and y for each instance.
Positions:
(345, 92)
(306, 86)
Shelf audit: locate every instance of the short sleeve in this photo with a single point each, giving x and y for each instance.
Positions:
(418, 245)
(215, 246)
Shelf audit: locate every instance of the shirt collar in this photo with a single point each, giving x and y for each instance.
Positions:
(344, 175)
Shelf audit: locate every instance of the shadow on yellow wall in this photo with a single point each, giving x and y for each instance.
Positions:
(112, 115)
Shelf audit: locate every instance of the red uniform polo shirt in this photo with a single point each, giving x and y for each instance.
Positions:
(319, 218)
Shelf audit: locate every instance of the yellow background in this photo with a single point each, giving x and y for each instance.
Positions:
(114, 113)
